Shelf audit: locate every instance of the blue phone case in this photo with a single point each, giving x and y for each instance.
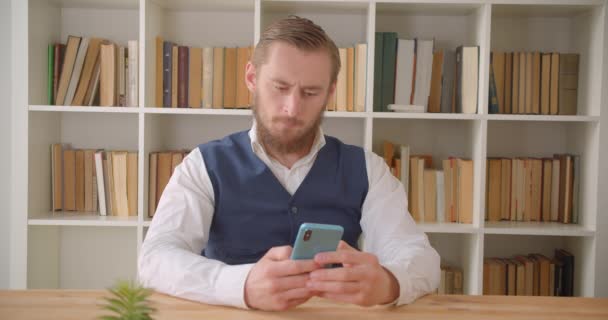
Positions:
(314, 238)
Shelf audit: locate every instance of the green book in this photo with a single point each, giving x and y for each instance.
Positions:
(389, 60)
(51, 62)
(378, 52)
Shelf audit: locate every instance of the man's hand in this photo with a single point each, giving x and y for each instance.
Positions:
(361, 280)
(278, 283)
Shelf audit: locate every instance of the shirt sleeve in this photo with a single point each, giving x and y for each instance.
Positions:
(170, 260)
(392, 235)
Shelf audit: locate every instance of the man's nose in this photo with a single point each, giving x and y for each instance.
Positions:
(293, 103)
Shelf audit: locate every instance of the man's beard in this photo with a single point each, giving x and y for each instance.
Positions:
(279, 144)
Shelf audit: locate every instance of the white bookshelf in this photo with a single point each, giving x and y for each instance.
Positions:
(71, 250)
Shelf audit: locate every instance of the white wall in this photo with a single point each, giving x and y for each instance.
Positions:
(5, 139)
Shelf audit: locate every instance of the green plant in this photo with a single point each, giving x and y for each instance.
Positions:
(128, 302)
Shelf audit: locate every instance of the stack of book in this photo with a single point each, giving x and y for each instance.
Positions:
(531, 275)
(193, 77)
(533, 189)
(451, 281)
(93, 72)
(162, 165)
(533, 83)
(350, 85)
(93, 180)
(433, 195)
(411, 76)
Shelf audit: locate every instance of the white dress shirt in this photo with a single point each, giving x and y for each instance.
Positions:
(170, 260)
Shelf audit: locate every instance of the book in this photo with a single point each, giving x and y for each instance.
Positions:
(467, 60)
(132, 173)
(174, 76)
(90, 205)
(57, 176)
(378, 67)
(133, 74)
(71, 50)
(405, 108)
(88, 71)
(406, 50)
(183, 60)
(218, 77)
(207, 94)
(50, 64)
(152, 184)
(448, 79)
(230, 77)
(76, 73)
(195, 77)
(242, 92)
(389, 58)
(69, 180)
(57, 67)
(498, 71)
(167, 73)
(434, 104)
(341, 83)
(108, 76)
(350, 79)
(158, 81)
(568, 84)
(424, 66)
(119, 178)
(360, 77)
(101, 184)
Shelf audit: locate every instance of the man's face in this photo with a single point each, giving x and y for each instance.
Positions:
(291, 90)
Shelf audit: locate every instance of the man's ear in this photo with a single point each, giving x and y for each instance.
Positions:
(250, 76)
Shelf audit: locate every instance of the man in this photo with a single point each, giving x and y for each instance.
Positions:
(224, 225)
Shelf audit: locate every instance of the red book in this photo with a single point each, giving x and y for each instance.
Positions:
(182, 76)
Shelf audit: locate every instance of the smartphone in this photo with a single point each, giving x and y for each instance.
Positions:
(314, 238)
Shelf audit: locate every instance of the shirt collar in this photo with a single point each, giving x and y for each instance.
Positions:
(258, 148)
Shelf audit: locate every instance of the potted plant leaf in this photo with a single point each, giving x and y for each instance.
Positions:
(128, 301)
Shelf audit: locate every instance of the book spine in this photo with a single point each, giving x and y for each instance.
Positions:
(167, 61)
(182, 76)
(50, 62)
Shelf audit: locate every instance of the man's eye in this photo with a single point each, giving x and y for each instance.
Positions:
(310, 94)
(280, 88)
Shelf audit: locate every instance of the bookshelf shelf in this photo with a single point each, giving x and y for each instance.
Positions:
(514, 117)
(430, 116)
(449, 228)
(537, 228)
(48, 108)
(221, 112)
(55, 245)
(82, 219)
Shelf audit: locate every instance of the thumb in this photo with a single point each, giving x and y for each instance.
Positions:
(278, 253)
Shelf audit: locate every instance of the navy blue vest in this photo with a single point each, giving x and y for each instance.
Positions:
(254, 212)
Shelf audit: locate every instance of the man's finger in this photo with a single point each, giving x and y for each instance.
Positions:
(340, 297)
(278, 253)
(338, 274)
(292, 267)
(341, 256)
(291, 282)
(296, 294)
(337, 287)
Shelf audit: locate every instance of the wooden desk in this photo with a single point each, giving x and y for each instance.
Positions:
(81, 305)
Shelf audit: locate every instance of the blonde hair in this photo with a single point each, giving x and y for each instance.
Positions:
(301, 33)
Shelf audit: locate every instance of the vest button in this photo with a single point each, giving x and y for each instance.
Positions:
(294, 210)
